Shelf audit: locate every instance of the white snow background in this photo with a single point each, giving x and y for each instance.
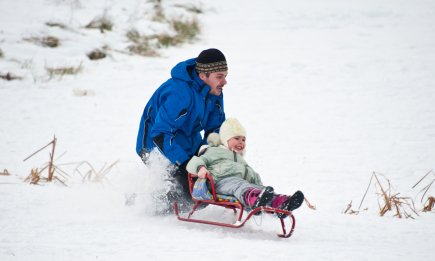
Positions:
(329, 92)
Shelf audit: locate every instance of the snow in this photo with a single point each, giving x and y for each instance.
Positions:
(329, 92)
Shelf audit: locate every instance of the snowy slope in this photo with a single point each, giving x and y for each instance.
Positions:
(329, 91)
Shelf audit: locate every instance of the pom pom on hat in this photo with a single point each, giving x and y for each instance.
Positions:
(213, 139)
(231, 128)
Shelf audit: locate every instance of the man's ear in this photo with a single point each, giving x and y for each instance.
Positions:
(202, 76)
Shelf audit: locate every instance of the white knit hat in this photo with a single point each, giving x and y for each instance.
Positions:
(230, 128)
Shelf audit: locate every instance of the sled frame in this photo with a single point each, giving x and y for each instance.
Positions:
(236, 207)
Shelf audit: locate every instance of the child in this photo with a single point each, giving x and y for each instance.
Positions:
(223, 159)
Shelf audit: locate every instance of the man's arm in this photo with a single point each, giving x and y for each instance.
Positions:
(217, 116)
(171, 116)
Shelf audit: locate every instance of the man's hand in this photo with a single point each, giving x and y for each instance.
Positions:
(202, 172)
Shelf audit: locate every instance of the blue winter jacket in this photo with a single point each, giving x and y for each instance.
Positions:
(176, 114)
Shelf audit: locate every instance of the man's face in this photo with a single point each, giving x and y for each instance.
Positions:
(216, 81)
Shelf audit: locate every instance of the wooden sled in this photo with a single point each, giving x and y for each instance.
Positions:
(232, 203)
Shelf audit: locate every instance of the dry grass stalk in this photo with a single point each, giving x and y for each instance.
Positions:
(385, 196)
(428, 186)
(348, 208)
(350, 211)
(5, 173)
(392, 202)
(59, 180)
(36, 176)
(90, 174)
(430, 204)
(313, 207)
(33, 177)
(50, 163)
(191, 8)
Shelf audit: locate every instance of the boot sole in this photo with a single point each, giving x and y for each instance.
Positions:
(292, 203)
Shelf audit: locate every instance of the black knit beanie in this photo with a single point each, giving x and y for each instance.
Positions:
(211, 60)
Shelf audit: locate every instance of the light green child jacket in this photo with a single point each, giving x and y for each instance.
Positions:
(222, 163)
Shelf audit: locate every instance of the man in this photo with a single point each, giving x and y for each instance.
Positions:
(190, 102)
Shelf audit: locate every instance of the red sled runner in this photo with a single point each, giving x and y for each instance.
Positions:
(232, 203)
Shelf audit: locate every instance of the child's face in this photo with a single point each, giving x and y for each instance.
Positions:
(237, 143)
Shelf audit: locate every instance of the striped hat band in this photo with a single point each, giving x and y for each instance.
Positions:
(211, 67)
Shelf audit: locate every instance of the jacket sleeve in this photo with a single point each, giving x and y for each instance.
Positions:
(195, 162)
(253, 176)
(170, 117)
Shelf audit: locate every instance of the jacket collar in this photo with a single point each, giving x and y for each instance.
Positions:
(185, 71)
(199, 84)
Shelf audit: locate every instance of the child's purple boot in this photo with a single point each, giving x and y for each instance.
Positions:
(255, 198)
(289, 203)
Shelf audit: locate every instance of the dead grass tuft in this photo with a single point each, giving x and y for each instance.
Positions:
(182, 30)
(141, 44)
(5, 173)
(53, 172)
(147, 45)
(186, 29)
(388, 200)
(47, 41)
(62, 71)
(50, 41)
(10, 77)
(33, 177)
(37, 175)
(54, 24)
(101, 23)
(96, 54)
(391, 201)
(89, 173)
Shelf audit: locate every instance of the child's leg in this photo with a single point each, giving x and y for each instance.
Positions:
(236, 187)
(248, 194)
